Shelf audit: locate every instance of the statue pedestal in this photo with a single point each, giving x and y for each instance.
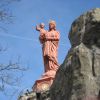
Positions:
(43, 84)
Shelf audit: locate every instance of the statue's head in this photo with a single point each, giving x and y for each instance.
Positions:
(52, 25)
(42, 25)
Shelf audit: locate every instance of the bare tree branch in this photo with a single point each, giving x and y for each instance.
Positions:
(11, 66)
(6, 15)
(11, 73)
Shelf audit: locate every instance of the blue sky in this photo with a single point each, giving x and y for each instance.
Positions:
(22, 38)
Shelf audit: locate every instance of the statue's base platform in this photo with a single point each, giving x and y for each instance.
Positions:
(43, 84)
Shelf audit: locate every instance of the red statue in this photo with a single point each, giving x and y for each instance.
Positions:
(49, 40)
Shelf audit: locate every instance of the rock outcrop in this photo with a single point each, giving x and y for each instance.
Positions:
(78, 78)
(45, 95)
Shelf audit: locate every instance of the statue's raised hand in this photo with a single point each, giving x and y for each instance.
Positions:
(39, 27)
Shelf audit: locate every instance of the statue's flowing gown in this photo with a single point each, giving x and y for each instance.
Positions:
(49, 41)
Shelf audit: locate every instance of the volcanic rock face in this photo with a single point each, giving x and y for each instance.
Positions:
(78, 78)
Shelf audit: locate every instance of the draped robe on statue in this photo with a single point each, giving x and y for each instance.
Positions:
(49, 41)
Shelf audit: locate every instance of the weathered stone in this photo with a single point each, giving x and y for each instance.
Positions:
(86, 29)
(44, 95)
(28, 96)
(78, 78)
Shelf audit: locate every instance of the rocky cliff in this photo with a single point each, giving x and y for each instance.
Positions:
(78, 78)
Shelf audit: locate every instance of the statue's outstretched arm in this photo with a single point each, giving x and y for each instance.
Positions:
(38, 28)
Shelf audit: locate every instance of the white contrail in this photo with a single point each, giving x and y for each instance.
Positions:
(23, 38)
(17, 37)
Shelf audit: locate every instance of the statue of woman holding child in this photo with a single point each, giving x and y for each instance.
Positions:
(49, 40)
